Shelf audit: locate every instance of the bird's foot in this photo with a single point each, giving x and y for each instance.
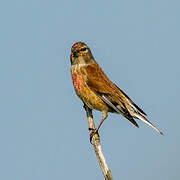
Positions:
(93, 132)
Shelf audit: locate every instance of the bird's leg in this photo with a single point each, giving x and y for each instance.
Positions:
(104, 116)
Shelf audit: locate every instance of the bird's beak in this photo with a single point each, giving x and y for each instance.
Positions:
(75, 53)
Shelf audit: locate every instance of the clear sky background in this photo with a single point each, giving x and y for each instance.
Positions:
(43, 127)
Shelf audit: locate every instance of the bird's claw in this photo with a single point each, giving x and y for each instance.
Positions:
(92, 133)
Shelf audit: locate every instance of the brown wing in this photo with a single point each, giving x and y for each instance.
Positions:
(99, 83)
(131, 102)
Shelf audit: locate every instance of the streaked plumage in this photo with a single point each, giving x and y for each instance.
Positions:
(97, 91)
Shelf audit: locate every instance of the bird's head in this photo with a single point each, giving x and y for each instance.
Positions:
(80, 54)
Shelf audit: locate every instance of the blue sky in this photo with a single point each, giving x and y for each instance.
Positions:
(43, 127)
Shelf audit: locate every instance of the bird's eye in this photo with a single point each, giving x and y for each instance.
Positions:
(83, 49)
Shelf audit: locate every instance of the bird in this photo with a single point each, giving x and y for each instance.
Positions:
(98, 92)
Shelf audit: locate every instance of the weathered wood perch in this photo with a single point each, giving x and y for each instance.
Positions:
(97, 146)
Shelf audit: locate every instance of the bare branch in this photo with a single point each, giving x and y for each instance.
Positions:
(97, 146)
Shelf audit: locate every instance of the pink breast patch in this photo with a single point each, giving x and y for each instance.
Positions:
(77, 81)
